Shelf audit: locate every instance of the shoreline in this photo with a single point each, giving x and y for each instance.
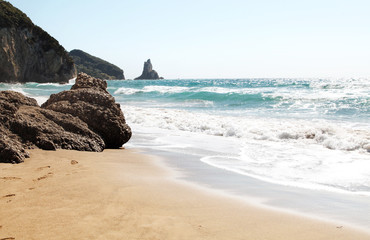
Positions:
(186, 157)
(318, 205)
(124, 193)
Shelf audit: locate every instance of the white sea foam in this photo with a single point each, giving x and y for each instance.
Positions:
(305, 165)
(320, 132)
(191, 103)
(40, 99)
(310, 154)
(361, 83)
(147, 89)
(18, 88)
(332, 94)
(72, 81)
(177, 89)
(127, 91)
(225, 90)
(165, 89)
(299, 166)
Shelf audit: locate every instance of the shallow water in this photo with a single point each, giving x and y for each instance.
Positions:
(341, 208)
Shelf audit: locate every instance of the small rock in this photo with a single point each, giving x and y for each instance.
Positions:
(73, 162)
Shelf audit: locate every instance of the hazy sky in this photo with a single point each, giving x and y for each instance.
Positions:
(215, 39)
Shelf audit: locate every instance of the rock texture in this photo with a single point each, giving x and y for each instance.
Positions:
(95, 66)
(85, 118)
(28, 53)
(89, 100)
(148, 72)
(23, 124)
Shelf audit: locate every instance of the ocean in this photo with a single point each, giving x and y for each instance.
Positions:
(307, 134)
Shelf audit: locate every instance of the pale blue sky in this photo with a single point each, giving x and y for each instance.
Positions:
(215, 39)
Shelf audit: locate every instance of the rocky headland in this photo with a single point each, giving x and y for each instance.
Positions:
(95, 67)
(85, 118)
(148, 72)
(28, 53)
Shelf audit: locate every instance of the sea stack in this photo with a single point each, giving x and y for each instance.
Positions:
(28, 53)
(148, 72)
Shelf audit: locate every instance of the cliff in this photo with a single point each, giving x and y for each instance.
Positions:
(28, 53)
(95, 66)
(148, 72)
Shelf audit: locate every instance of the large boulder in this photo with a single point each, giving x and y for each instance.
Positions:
(90, 101)
(85, 118)
(23, 124)
(148, 72)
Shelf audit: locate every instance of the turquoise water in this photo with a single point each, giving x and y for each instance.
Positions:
(330, 99)
(346, 99)
(307, 133)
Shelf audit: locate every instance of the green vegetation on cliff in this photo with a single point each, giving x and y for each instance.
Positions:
(95, 66)
(13, 17)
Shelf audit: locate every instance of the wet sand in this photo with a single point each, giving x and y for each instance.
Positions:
(122, 194)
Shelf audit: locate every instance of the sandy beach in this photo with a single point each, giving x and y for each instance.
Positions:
(122, 194)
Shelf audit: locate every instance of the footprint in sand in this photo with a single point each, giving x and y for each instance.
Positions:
(41, 168)
(10, 178)
(74, 162)
(9, 195)
(43, 177)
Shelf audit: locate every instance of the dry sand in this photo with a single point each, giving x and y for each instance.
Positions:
(120, 194)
